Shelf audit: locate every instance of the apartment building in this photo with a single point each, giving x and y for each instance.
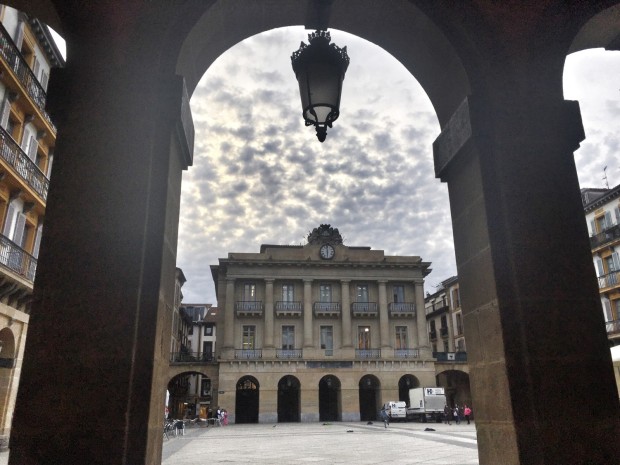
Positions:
(320, 332)
(27, 140)
(602, 210)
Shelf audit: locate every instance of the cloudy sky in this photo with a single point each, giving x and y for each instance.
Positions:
(261, 177)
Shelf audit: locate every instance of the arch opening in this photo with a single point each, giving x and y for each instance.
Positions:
(246, 400)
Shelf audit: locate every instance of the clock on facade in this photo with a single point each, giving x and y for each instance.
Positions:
(326, 251)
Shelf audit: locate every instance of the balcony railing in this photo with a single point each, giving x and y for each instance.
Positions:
(610, 234)
(364, 309)
(450, 356)
(17, 259)
(249, 308)
(406, 353)
(288, 308)
(15, 60)
(192, 357)
(613, 326)
(401, 309)
(437, 308)
(609, 280)
(248, 354)
(326, 309)
(367, 354)
(12, 153)
(289, 353)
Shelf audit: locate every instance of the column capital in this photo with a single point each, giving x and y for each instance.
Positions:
(230, 280)
(269, 280)
(382, 281)
(345, 281)
(307, 280)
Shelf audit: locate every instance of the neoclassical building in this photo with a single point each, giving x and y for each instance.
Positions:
(321, 331)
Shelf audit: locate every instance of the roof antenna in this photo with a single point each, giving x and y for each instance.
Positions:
(605, 177)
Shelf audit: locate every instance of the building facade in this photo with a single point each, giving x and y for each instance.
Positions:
(602, 210)
(320, 332)
(27, 140)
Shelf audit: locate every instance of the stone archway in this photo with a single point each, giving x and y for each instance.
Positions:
(369, 397)
(289, 399)
(494, 77)
(330, 403)
(456, 387)
(405, 383)
(247, 400)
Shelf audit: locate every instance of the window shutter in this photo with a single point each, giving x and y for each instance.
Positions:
(599, 267)
(8, 222)
(616, 261)
(25, 140)
(37, 241)
(617, 211)
(19, 35)
(18, 234)
(36, 67)
(607, 220)
(32, 148)
(593, 226)
(44, 80)
(607, 310)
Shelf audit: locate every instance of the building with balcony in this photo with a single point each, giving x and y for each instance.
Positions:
(319, 332)
(27, 140)
(602, 210)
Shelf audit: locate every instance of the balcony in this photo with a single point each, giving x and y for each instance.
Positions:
(367, 354)
(326, 309)
(364, 309)
(14, 59)
(609, 280)
(450, 356)
(602, 238)
(437, 309)
(288, 308)
(401, 310)
(248, 354)
(289, 353)
(252, 308)
(17, 259)
(12, 153)
(406, 353)
(192, 357)
(613, 327)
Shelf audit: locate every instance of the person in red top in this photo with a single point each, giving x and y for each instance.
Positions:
(466, 412)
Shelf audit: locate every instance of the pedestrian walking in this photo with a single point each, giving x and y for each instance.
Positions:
(385, 417)
(447, 414)
(467, 413)
(457, 416)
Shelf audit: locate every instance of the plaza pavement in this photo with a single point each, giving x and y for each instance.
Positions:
(324, 443)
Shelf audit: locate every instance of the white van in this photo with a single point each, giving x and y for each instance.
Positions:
(396, 410)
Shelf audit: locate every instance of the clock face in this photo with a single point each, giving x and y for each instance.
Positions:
(326, 251)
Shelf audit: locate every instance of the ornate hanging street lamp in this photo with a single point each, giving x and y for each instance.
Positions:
(320, 68)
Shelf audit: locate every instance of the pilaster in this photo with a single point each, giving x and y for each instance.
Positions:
(346, 314)
(269, 320)
(384, 321)
(308, 342)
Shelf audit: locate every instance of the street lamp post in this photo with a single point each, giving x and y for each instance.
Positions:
(320, 68)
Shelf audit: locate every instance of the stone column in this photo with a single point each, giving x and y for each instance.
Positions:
(384, 320)
(269, 321)
(308, 342)
(229, 315)
(535, 334)
(421, 317)
(346, 314)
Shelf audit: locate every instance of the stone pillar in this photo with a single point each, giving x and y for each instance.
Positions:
(346, 314)
(269, 322)
(111, 221)
(229, 315)
(535, 333)
(384, 320)
(308, 342)
(420, 314)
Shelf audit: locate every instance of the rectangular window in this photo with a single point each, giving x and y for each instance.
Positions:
(327, 339)
(288, 337)
(249, 292)
(288, 294)
(249, 337)
(363, 337)
(209, 329)
(362, 293)
(399, 294)
(401, 338)
(326, 293)
(205, 387)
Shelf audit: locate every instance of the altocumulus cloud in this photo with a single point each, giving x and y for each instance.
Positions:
(260, 176)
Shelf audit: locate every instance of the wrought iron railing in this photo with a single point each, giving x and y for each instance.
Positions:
(406, 353)
(282, 306)
(367, 354)
(192, 357)
(364, 307)
(289, 353)
(612, 326)
(609, 280)
(609, 234)
(249, 354)
(398, 308)
(17, 259)
(333, 307)
(11, 54)
(249, 306)
(12, 153)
